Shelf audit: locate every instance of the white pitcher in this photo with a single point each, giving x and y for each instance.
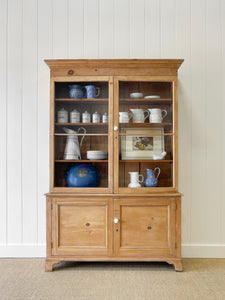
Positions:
(72, 149)
(138, 115)
(157, 115)
(134, 179)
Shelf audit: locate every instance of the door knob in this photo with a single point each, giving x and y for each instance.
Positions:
(116, 220)
(115, 128)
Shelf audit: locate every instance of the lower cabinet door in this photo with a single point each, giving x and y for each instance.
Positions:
(82, 227)
(144, 227)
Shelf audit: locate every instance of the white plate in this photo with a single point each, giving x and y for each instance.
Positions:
(152, 97)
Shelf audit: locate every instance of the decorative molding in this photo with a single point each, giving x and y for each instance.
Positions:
(203, 250)
(25, 251)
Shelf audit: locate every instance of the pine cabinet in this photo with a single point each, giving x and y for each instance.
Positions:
(136, 131)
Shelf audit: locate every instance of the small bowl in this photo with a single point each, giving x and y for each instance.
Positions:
(136, 95)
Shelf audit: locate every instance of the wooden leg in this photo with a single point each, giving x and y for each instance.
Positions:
(177, 264)
(49, 264)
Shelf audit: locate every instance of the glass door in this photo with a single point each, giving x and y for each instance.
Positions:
(81, 143)
(145, 134)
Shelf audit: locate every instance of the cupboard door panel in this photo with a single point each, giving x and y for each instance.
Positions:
(82, 227)
(145, 226)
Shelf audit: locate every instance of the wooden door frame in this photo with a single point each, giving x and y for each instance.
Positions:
(75, 251)
(126, 190)
(79, 78)
(154, 201)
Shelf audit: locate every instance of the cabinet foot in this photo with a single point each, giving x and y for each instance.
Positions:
(177, 264)
(49, 264)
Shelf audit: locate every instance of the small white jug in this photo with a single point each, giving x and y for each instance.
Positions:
(134, 180)
(124, 117)
(157, 115)
(138, 115)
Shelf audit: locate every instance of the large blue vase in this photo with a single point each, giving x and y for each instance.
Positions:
(82, 175)
(151, 180)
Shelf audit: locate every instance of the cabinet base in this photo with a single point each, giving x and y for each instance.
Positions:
(49, 263)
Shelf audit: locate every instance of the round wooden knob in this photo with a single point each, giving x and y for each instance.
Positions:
(70, 72)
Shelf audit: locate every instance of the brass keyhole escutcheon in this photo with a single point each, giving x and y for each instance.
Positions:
(87, 224)
(149, 227)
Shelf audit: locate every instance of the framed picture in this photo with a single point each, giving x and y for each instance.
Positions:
(141, 143)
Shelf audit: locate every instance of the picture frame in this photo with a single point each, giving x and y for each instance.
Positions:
(141, 143)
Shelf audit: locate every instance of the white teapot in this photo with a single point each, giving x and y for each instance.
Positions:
(138, 115)
(157, 115)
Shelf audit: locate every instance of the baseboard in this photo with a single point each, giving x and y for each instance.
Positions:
(188, 251)
(203, 250)
(25, 250)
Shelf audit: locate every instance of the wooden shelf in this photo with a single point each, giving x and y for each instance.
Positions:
(81, 124)
(146, 134)
(153, 101)
(145, 124)
(81, 134)
(81, 160)
(146, 161)
(82, 100)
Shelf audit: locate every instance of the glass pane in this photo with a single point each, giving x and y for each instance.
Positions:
(81, 134)
(146, 132)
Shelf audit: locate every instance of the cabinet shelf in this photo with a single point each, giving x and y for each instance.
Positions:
(81, 124)
(145, 124)
(81, 160)
(81, 134)
(146, 161)
(82, 100)
(152, 101)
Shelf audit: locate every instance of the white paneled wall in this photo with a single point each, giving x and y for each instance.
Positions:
(32, 30)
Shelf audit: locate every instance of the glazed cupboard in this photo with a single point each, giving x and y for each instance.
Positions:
(113, 123)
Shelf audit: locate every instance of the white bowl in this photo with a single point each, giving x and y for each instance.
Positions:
(152, 97)
(136, 95)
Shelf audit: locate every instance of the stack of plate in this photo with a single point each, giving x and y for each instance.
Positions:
(97, 154)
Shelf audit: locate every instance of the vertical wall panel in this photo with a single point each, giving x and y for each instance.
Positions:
(14, 117)
(183, 38)
(91, 29)
(75, 29)
(137, 28)
(198, 122)
(168, 28)
(222, 179)
(152, 29)
(44, 51)
(3, 121)
(29, 122)
(106, 29)
(122, 29)
(213, 120)
(32, 30)
(60, 26)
